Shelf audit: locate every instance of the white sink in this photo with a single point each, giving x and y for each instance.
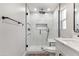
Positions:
(72, 42)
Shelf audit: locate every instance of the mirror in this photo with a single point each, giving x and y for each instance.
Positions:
(76, 17)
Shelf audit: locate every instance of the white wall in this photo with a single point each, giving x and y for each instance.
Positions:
(54, 26)
(12, 36)
(68, 32)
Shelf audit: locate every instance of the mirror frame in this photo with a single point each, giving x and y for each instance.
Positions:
(74, 20)
(74, 17)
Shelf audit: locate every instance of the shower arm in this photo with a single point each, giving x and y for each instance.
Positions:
(3, 17)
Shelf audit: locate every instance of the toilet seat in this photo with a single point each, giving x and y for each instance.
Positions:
(51, 49)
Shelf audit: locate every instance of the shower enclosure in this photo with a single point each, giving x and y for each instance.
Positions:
(42, 24)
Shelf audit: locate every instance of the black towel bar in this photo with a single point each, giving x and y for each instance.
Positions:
(3, 17)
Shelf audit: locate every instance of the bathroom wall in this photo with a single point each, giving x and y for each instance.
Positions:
(51, 19)
(68, 32)
(54, 27)
(12, 35)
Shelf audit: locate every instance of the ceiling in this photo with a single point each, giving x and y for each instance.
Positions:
(39, 6)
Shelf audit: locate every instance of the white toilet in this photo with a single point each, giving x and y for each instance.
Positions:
(51, 48)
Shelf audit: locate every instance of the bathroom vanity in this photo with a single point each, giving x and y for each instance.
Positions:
(67, 46)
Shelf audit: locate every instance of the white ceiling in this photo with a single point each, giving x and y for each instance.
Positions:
(52, 6)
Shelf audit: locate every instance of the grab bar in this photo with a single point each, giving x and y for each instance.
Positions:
(3, 17)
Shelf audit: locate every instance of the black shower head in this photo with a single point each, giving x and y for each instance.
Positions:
(41, 11)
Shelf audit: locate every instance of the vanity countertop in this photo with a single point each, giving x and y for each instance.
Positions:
(72, 43)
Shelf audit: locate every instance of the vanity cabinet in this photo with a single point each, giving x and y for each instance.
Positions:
(65, 50)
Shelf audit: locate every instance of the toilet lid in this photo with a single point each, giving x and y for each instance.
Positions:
(49, 49)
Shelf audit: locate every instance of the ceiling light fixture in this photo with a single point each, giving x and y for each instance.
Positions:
(35, 9)
(48, 9)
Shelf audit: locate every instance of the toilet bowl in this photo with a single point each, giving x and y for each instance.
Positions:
(50, 49)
